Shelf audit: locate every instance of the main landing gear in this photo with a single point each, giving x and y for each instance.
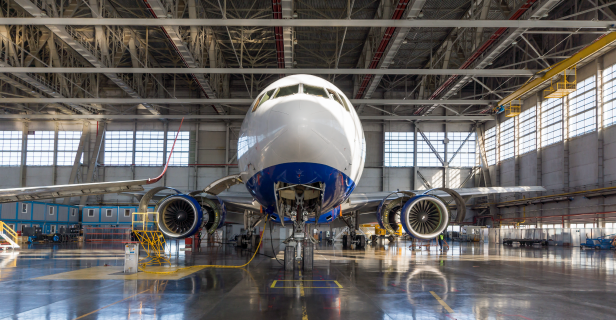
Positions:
(353, 239)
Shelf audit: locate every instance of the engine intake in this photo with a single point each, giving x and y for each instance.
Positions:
(424, 217)
(179, 216)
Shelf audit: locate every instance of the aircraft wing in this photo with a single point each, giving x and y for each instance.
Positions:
(73, 190)
(370, 201)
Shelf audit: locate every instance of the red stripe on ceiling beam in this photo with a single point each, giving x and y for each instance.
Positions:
(376, 58)
(493, 38)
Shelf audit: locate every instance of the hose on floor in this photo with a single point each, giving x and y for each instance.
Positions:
(212, 265)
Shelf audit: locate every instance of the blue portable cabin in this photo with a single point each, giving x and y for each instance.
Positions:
(108, 215)
(50, 216)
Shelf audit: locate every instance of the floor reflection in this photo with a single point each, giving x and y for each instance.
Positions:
(387, 280)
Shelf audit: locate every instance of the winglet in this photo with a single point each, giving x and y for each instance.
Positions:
(154, 180)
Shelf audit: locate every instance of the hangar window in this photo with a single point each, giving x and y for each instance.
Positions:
(425, 156)
(118, 148)
(51, 211)
(108, 213)
(181, 151)
(551, 121)
(337, 98)
(68, 142)
(399, 149)
(506, 141)
(40, 148)
(10, 148)
(287, 91)
(461, 153)
(315, 91)
(262, 99)
(90, 212)
(126, 212)
(149, 148)
(583, 108)
(528, 130)
(609, 96)
(490, 145)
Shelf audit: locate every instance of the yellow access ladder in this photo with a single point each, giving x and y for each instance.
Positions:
(9, 235)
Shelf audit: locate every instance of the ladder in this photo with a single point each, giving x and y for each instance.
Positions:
(9, 235)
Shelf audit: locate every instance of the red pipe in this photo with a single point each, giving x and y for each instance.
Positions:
(277, 14)
(493, 38)
(376, 58)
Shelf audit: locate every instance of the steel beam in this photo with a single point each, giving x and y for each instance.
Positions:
(94, 154)
(83, 48)
(356, 23)
(226, 101)
(475, 72)
(85, 135)
(13, 117)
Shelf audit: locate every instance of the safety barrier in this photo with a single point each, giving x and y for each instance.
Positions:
(106, 234)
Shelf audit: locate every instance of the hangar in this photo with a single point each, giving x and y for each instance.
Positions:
(188, 159)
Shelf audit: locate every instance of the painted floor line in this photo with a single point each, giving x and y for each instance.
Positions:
(441, 302)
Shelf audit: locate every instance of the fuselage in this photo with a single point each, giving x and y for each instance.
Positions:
(301, 131)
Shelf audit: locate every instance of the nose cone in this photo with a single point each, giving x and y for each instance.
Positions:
(310, 129)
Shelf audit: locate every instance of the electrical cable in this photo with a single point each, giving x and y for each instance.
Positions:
(210, 266)
(272, 241)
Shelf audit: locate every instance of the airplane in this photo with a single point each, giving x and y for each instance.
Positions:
(301, 154)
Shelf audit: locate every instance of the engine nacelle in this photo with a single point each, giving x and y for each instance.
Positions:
(424, 217)
(181, 216)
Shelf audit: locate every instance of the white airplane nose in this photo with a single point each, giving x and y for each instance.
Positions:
(307, 131)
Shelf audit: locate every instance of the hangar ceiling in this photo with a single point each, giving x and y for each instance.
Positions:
(497, 60)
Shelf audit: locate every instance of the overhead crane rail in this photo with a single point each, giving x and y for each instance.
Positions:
(599, 46)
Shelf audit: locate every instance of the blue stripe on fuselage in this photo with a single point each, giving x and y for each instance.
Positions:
(338, 186)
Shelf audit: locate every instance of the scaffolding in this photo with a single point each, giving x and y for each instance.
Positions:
(145, 229)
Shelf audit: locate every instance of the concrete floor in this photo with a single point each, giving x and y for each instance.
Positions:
(470, 281)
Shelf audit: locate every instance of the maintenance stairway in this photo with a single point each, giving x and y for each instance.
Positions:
(9, 235)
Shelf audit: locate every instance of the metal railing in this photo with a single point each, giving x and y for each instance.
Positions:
(8, 232)
(106, 234)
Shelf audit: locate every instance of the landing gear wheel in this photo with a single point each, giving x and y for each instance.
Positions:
(254, 241)
(289, 258)
(391, 239)
(308, 259)
(362, 241)
(345, 241)
(373, 238)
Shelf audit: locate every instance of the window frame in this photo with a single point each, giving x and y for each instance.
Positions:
(391, 144)
(458, 137)
(40, 151)
(427, 158)
(527, 140)
(585, 111)
(90, 213)
(123, 148)
(11, 146)
(126, 213)
(489, 139)
(51, 210)
(548, 109)
(142, 152)
(303, 90)
(108, 213)
(275, 96)
(506, 149)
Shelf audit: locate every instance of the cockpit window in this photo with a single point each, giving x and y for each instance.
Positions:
(315, 91)
(287, 91)
(260, 100)
(337, 98)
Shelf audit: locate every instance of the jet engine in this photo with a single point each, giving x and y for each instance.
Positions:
(180, 215)
(424, 217)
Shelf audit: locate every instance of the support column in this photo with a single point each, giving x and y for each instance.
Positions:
(85, 134)
(24, 154)
(415, 186)
(539, 177)
(600, 137)
(227, 142)
(196, 168)
(94, 153)
(54, 171)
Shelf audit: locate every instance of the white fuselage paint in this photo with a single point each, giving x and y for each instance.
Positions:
(302, 128)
